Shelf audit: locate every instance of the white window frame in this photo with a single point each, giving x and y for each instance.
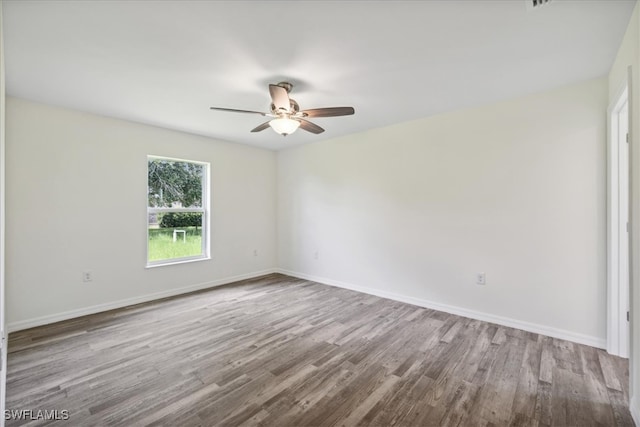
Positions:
(204, 210)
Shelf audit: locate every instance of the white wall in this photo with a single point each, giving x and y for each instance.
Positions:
(628, 56)
(76, 200)
(514, 189)
(3, 330)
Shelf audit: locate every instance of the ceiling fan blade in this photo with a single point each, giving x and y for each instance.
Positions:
(233, 110)
(261, 127)
(310, 127)
(279, 97)
(329, 112)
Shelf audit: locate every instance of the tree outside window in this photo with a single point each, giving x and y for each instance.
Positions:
(177, 210)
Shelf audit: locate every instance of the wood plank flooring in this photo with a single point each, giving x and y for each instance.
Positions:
(279, 351)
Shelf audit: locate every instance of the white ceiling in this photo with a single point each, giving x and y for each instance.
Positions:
(165, 62)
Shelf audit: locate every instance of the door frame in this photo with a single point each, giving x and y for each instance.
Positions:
(618, 337)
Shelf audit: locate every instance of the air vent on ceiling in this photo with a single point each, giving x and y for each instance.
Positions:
(537, 4)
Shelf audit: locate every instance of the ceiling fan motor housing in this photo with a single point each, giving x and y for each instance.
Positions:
(293, 107)
(286, 86)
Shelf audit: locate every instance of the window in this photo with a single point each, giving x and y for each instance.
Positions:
(177, 210)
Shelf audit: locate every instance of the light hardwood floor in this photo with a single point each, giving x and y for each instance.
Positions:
(279, 351)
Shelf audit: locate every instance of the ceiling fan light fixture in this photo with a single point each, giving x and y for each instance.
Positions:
(284, 126)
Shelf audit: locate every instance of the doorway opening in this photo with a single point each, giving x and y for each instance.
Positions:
(618, 227)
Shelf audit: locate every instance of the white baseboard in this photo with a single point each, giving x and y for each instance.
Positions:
(478, 315)
(635, 412)
(504, 321)
(71, 314)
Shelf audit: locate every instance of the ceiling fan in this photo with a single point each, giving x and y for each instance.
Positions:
(286, 115)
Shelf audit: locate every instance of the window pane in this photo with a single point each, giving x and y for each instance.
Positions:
(174, 184)
(174, 235)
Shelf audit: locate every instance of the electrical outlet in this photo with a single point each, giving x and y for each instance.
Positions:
(481, 279)
(87, 276)
(255, 252)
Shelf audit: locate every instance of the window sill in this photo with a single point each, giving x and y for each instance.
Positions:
(179, 261)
